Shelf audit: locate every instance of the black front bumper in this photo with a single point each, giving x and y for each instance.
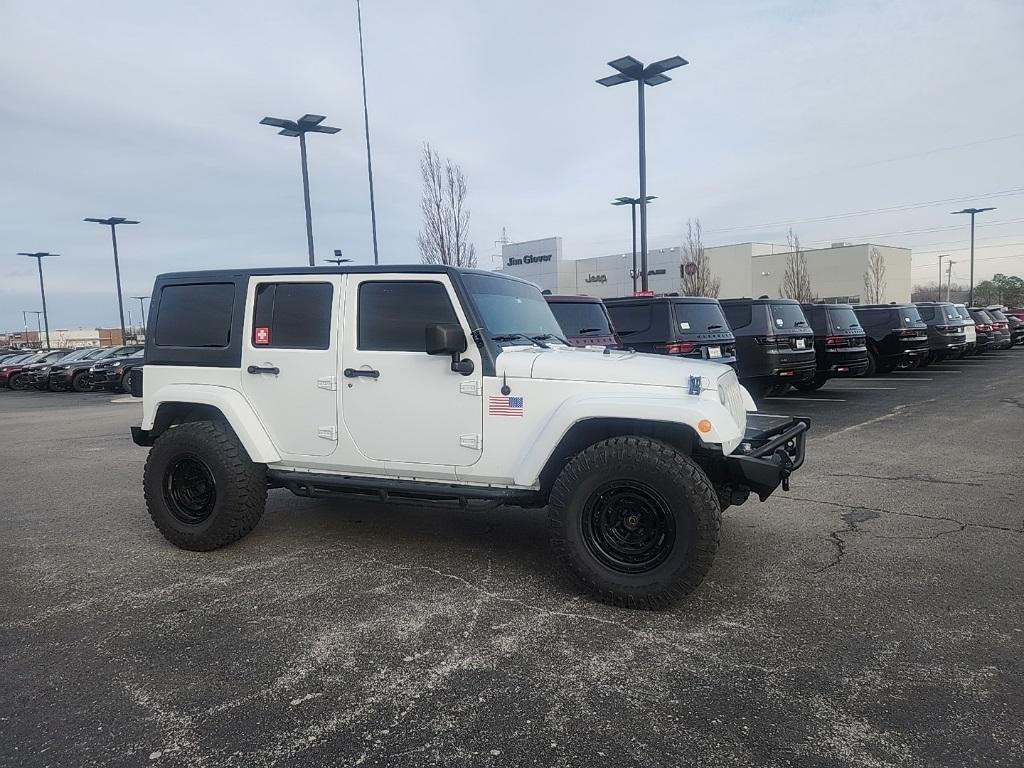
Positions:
(772, 449)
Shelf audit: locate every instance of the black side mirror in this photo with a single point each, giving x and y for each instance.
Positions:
(448, 339)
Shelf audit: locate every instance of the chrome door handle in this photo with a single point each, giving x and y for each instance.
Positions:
(263, 369)
(352, 373)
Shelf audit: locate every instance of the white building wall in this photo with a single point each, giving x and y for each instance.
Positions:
(837, 272)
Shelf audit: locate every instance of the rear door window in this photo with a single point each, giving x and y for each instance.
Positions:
(195, 315)
(788, 316)
(699, 317)
(292, 315)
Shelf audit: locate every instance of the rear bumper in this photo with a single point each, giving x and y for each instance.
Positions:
(772, 449)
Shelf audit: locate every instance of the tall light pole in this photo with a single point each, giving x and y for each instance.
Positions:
(632, 202)
(302, 126)
(39, 256)
(973, 212)
(941, 257)
(630, 70)
(142, 311)
(949, 281)
(112, 222)
(366, 125)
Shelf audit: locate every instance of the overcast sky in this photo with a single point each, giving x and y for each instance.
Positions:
(788, 112)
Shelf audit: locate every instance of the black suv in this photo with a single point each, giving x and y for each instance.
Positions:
(774, 343)
(896, 336)
(946, 334)
(584, 320)
(685, 326)
(75, 375)
(839, 343)
(1001, 326)
(986, 334)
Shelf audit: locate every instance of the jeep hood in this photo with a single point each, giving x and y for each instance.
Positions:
(611, 367)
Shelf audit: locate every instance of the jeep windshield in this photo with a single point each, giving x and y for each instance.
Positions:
(515, 312)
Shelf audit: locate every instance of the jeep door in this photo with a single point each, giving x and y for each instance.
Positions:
(399, 404)
(289, 363)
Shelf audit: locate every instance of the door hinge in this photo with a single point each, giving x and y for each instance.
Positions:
(470, 441)
(327, 382)
(469, 387)
(327, 433)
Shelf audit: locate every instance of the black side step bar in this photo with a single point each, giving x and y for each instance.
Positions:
(393, 489)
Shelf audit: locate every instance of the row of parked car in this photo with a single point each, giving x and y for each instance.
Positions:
(775, 344)
(61, 370)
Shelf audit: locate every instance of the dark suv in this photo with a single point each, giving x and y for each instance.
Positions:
(686, 326)
(584, 320)
(774, 343)
(75, 375)
(946, 334)
(985, 333)
(1001, 326)
(839, 343)
(896, 336)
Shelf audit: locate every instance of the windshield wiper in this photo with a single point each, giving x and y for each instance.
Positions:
(513, 336)
(716, 325)
(798, 323)
(545, 336)
(590, 330)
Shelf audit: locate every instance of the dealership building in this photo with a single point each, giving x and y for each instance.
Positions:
(745, 269)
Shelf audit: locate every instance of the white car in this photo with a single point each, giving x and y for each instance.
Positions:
(969, 329)
(444, 386)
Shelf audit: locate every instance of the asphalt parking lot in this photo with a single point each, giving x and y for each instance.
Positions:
(871, 617)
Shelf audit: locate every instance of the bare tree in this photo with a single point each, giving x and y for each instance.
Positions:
(874, 278)
(796, 282)
(695, 272)
(444, 238)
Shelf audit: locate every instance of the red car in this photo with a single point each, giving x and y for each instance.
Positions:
(584, 321)
(10, 372)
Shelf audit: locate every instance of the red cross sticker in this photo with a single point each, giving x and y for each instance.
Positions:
(262, 335)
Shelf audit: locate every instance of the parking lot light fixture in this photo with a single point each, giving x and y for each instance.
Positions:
(973, 212)
(338, 258)
(632, 202)
(628, 70)
(113, 222)
(142, 310)
(39, 256)
(292, 128)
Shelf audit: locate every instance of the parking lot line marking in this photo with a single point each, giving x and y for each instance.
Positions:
(809, 399)
(936, 370)
(895, 381)
(863, 389)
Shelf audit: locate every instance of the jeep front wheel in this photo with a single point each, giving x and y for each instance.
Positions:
(636, 521)
(202, 490)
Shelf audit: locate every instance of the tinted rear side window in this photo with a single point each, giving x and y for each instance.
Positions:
(195, 315)
(293, 315)
(788, 316)
(579, 318)
(738, 315)
(699, 317)
(630, 319)
(393, 315)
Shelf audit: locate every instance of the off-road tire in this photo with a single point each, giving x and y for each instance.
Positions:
(80, 382)
(670, 475)
(240, 485)
(810, 385)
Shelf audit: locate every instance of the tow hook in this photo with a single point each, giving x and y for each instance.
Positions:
(785, 462)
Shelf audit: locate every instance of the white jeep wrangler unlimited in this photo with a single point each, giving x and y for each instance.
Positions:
(444, 386)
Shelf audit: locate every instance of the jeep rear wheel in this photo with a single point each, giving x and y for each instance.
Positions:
(202, 490)
(636, 521)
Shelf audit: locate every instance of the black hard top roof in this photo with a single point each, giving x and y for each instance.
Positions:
(823, 305)
(566, 298)
(209, 275)
(662, 297)
(893, 305)
(745, 300)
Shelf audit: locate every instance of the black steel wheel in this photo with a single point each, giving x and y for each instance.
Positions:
(18, 381)
(190, 490)
(636, 521)
(628, 526)
(202, 489)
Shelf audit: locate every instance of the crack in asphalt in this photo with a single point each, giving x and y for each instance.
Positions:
(963, 525)
(914, 478)
(852, 518)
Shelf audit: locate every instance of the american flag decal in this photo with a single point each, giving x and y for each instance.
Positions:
(500, 405)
